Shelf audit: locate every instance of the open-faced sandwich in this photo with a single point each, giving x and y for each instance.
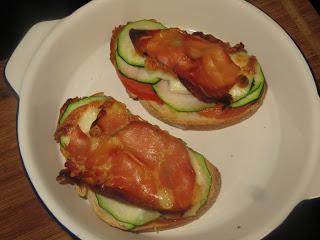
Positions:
(136, 176)
(189, 80)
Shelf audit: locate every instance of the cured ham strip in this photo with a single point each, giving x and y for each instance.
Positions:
(201, 62)
(166, 155)
(128, 158)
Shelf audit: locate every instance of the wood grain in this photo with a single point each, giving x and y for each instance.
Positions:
(301, 21)
(22, 216)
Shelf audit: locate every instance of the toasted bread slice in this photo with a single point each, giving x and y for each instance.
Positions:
(78, 116)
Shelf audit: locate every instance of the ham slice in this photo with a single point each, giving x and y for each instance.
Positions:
(201, 62)
(128, 158)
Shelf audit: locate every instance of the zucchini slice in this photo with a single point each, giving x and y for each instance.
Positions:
(179, 102)
(258, 78)
(125, 47)
(125, 212)
(140, 74)
(255, 91)
(237, 92)
(79, 103)
(249, 98)
(203, 179)
(86, 119)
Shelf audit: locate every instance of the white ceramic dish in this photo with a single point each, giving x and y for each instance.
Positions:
(269, 162)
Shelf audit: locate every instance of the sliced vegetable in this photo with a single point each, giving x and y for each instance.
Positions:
(140, 74)
(255, 91)
(203, 179)
(141, 90)
(175, 86)
(249, 98)
(125, 47)
(79, 103)
(258, 78)
(239, 91)
(86, 118)
(179, 102)
(127, 213)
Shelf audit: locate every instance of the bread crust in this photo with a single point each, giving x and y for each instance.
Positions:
(157, 225)
(187, 120)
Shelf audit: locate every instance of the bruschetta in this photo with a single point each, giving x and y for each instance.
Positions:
(136, 176)
(188, 80)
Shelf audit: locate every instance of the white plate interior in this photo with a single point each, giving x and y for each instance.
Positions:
(265, 161)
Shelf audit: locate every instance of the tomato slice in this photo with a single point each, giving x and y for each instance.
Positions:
(141, 90)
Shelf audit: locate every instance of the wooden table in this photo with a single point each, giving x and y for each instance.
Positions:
(22, 216)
